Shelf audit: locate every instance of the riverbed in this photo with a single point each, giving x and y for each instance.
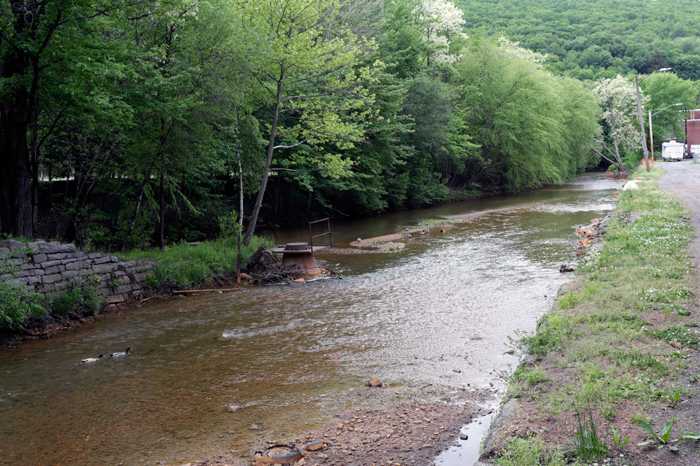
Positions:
(439, 311)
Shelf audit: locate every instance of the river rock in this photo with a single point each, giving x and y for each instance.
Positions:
(374, 382)
(316, 446)
(233, 408)
(463, 436)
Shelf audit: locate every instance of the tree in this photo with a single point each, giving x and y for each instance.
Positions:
(305, 80)
(441, 22)
(618, 98)
(663, 90)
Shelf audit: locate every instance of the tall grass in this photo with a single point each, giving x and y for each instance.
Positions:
(186, 265)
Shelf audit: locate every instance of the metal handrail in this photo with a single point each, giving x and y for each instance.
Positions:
(311, 237)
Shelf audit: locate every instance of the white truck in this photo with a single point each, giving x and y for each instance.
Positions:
(672, 150)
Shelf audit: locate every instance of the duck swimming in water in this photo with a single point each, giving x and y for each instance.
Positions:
(90, 360)
(120, 354)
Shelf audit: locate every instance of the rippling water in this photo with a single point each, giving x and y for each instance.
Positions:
(448, 301)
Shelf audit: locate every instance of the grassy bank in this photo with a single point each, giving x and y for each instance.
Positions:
(616, 358)
(178, 266)
(185, 265)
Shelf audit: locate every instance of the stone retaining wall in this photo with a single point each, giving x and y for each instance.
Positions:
(51, 266)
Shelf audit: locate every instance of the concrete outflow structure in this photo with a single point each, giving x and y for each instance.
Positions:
(299, 254)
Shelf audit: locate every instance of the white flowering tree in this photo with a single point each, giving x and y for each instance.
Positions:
(510, 49)
(618, 101)
(442, 25)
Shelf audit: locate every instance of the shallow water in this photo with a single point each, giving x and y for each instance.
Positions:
(447, 301)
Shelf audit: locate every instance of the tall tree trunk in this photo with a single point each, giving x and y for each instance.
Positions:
(15, 175)
(161, 201)
(268, 161)
(136, 210)
(240, 201)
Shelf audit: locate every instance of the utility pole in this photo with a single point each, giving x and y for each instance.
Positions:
(641, 123)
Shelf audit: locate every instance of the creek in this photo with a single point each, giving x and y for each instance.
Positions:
(447, 301)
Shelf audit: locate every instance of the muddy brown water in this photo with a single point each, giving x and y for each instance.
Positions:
(447, 301)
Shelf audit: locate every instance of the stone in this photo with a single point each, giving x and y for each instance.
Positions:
(53, 278)
(140, 277)
(35, 280)
(11, 244)
(233, 408)
(39, 258)
(116, 298)
(52, 247)
(48, 264)
(316, 446)
(67, 275)
(101, 260)
(94, 255)
(57, 257)
(104, 268)
(123, 289)
(18, 281)
(70, 260)
(374, 382)
(76, 265)
(254, 427)
(60, 285)
(50, 270)
(114, 258)
(463, 436)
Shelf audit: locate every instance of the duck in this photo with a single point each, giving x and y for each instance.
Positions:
(91, 360)
(442, 230)
(410, 235)
(406, 229)
(359, 239)
(120, 354)
(422, 232)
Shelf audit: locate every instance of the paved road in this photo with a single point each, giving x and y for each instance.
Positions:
(683, 180)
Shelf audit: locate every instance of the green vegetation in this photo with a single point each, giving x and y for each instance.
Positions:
(531, 451)
(597, 38)
(133, 141)
(19, 306)
(599, 335)
(184, 265)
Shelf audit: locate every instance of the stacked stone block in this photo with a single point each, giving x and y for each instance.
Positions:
(50, 267)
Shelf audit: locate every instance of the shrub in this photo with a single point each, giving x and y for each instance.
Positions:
(81, 299)
(17, 304)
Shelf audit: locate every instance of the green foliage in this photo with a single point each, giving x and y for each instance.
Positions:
(617, 440)
(662, 437)
(79, 299)
(600, 38)
(17, 304)
(589, 447)
(185, 265)
(677, 334)
(530, 452)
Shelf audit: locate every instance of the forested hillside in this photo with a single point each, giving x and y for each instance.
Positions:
(129, 124)
(588, 39)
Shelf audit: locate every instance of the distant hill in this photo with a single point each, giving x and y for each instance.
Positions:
(588, 39)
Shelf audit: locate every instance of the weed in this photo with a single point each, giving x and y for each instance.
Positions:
(531, 451)
(608, 413)
(619, 444)
(677, 334)
(80, 299)
(673, 396)
(662, 437)
(589, 447)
